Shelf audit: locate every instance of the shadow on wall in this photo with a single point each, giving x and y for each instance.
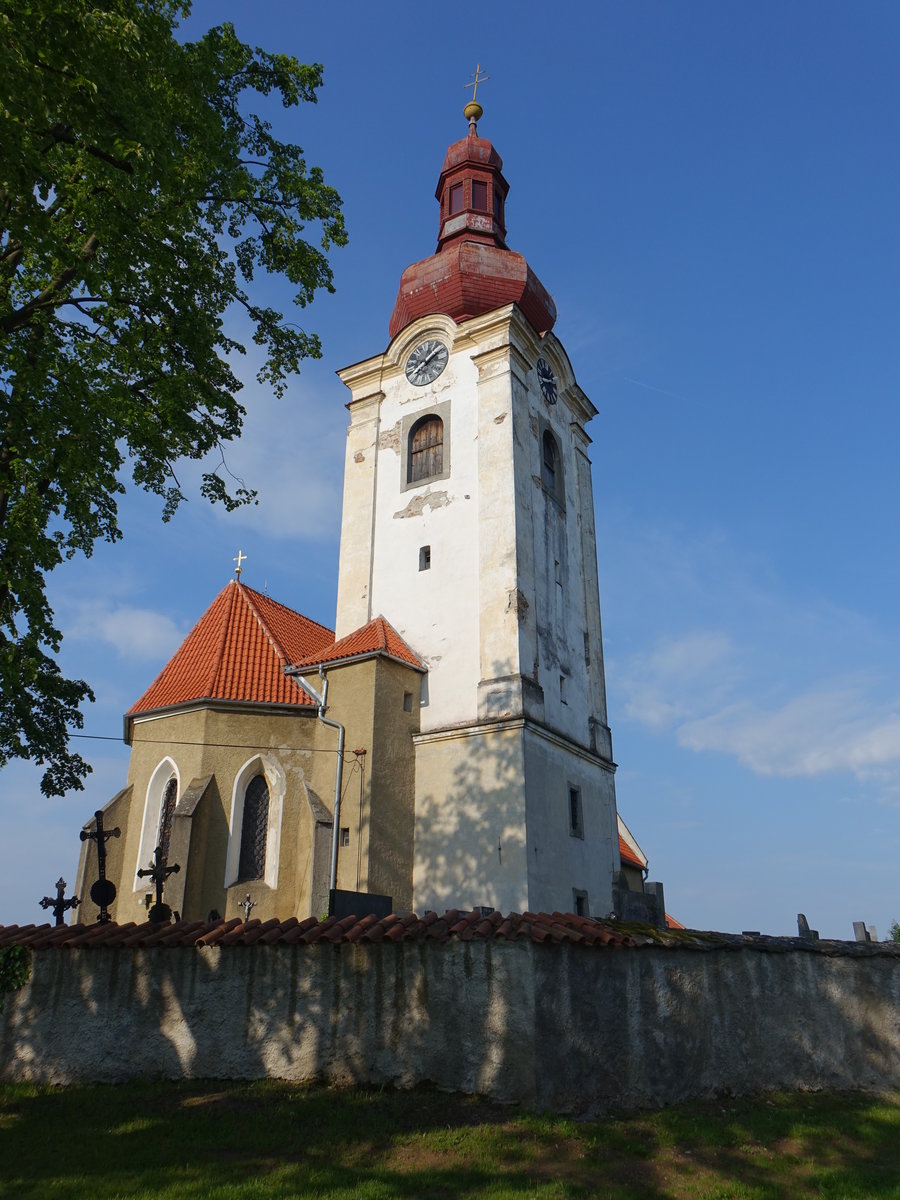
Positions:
(476, 842)
(556, 1026)
(353, 1013)
(470, 841)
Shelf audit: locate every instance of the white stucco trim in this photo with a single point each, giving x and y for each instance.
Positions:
(453, 732)
(276, 782)
(152, 810)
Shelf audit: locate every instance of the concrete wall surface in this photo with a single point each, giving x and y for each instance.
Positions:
(558, 1027)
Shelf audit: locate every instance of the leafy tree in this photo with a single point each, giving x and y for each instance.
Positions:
(138, 197)
(894, 932)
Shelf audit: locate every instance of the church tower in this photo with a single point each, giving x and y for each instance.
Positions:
(468, 521)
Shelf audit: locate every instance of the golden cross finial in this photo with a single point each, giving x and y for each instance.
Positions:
(473, 111)
(476, 78)
(241, 558)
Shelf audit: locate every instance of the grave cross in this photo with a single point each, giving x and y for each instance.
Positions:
(103, 891)
(59, 904)
(246, 905)
(159, 872)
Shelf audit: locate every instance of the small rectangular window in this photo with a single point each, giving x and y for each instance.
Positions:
(479, 195)
(576, 815)
(456, 198)
(424, 558)
(407, 701)
(562, 689)
(580, 902)
(345, 836)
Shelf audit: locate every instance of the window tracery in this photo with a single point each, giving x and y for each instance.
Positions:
(254, 830)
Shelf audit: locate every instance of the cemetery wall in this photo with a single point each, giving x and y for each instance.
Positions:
(551, 1026)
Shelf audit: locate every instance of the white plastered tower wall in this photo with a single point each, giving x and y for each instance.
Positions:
(506, 617)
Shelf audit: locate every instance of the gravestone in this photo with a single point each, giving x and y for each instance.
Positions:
(804, 931)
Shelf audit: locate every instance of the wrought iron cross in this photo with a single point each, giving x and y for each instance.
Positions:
(59, 904)
(103, 892)
(159, 872)
(246, 905)
(475, 79)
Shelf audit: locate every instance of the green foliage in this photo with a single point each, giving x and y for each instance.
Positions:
(894, 931)
(15, 969)
(138, 198)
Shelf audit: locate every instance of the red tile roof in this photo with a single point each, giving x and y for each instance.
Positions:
(378, 637)
(236, 651)
(628, 855)
(398, 927)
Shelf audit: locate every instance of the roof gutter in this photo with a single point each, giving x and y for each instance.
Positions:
(321, 702)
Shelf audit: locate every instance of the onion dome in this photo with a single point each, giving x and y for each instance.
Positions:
(473, 271)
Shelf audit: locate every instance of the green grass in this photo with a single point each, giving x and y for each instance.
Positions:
(257, 1141)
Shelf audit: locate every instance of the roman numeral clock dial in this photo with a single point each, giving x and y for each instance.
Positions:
(426, 362)
(547, 380)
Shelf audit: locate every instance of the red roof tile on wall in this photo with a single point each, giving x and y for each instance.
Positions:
(398, 927)
(377, 637)
(236, 651)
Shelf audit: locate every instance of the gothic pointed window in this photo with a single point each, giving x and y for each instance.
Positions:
(426, 449)
(254, 830)
(167, 816)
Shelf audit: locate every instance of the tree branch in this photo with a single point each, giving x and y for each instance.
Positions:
(62, 133)
(48, 297)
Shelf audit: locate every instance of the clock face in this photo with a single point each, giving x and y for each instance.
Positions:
(547, 380)
(426, 362)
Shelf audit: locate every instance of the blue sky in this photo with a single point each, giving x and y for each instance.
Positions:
(710, 192)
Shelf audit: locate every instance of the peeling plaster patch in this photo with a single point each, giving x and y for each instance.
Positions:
(359, 457)
(534, 426)
(499, 420)
(516, 599)
(419, 504)
(389, 439)
(537, 481)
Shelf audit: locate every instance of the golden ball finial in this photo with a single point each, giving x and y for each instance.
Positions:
(473, 111)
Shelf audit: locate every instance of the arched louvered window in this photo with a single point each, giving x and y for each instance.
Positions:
(167, 816)
(254, 830)
(550, 464)
(426, 449)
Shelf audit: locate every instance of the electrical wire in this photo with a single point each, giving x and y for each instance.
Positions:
(99, 737)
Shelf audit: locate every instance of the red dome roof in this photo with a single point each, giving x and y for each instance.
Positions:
(473, 271)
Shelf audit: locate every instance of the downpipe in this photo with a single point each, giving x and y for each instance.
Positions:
(322, 703)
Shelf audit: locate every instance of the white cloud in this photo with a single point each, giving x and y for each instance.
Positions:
(135, 633)
(664, 687)
(788, 684)
(713, 699)
(291, 452)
